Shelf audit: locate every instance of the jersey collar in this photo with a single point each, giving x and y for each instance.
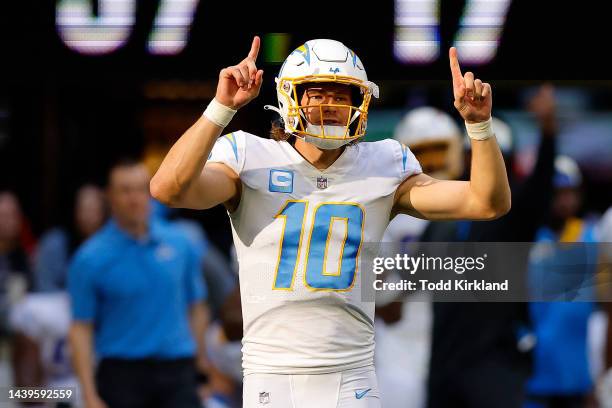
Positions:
(342, 164)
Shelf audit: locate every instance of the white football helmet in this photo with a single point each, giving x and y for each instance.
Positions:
(435, 139)
(567, 173)
(425, 124)
(323, 61)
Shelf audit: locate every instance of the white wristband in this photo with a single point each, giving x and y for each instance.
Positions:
(219, 114)
(480, 130)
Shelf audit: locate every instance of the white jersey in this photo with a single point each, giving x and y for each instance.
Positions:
(299, 234)
(45, 318)
(604, 229)
(404, 228)
(403, 348)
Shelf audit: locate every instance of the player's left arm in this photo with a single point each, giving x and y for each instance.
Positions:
(487, 194)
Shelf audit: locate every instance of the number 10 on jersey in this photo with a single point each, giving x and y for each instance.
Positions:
(318, 243)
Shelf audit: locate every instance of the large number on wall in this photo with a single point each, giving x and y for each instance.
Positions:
(171, 26)
(417, 32)
(480, 29)
(332, 249)
(88, 34)
(111, 28)
(416, 39)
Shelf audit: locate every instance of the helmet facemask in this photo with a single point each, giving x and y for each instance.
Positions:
(318, 123)
(320, 62)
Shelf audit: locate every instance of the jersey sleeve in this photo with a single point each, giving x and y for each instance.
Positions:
(230, 150)
(406, 163)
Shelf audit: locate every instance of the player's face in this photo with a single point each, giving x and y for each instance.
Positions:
(566, 203)
(327, 95)
(128, 194)
(440, 159)
(10, 217)
(433, 158)
(89, 211)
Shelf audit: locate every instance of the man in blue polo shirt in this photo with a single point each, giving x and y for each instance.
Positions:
(137, 296)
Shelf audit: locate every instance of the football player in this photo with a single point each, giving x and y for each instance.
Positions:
(40, 322)
(302, 206)
(403, 330)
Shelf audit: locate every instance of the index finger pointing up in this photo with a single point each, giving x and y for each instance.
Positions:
(454, 66)
(254, 48)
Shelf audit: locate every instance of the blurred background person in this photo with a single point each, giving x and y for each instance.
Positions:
(137, 303)
(40, 321)
(479, 353)
(56, 247)
(221, 387)
(16, 245)
(217, 271)
(40, 356)
(224, 343)
(604, 379)
(15, 265)
(563, 278)
(218, 275)
(403, 324)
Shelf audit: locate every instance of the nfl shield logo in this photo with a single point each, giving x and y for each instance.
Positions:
(322, 182)
(264, 397)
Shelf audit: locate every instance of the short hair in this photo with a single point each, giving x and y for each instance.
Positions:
(11, 195)
(121, 162)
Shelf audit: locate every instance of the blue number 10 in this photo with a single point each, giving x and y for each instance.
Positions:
(326, 215)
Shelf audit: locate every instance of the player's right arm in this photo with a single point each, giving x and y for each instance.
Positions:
(184, 179)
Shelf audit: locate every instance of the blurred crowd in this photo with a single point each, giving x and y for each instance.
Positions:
(132, 305)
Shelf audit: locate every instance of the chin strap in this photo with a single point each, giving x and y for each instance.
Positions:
(272, 108)
(328, 130)
(355, 116)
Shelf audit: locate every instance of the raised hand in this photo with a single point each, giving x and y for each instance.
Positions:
(473, 98)
(240, 84)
